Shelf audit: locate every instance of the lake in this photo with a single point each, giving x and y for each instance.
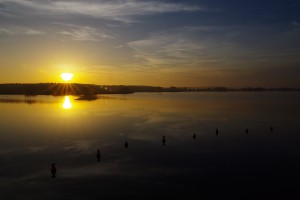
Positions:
(231, 162)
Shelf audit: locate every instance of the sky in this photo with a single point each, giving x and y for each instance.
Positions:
(195, 43)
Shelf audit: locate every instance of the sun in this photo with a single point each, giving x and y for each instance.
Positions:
(66, 76)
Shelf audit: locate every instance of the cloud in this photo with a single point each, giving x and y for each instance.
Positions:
(6, 32)
(82, 33)
(183, 46)
(119, 46)
(60, 31)
(296, 24)
(214, 46)
(74, 19)
(110, 10)
(19, 30)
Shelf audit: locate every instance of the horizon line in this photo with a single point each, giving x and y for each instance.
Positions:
(194, 87)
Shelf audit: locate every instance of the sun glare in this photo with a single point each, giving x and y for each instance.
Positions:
(67, 103)
(66, 76)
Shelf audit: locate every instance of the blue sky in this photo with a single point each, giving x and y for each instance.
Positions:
(181, 43)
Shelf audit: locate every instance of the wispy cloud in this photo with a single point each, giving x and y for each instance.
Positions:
(295, 23)
(212, 46)
(181, 46)
(18, 30)
(59, 31)
(82, 33)
(110, 10)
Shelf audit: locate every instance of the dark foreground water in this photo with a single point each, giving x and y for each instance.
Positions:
(234, 164)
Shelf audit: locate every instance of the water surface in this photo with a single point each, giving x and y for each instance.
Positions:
(36, 131)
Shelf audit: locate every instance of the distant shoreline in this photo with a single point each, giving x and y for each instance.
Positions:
(88, 91)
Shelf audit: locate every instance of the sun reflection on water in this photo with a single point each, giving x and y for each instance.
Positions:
(67, 103)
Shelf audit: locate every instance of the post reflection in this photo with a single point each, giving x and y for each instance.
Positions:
(67, 103)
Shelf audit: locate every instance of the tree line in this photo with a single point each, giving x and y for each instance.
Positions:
(58, 89)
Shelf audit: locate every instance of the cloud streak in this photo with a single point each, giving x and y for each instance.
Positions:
(18, 30)
(188, 46)
(213, 46)
(110, 10)
(59, 31)
(82, 33)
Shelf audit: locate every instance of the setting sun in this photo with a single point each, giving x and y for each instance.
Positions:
(66, 76)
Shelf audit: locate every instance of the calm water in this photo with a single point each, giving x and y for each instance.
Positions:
(36, 131)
